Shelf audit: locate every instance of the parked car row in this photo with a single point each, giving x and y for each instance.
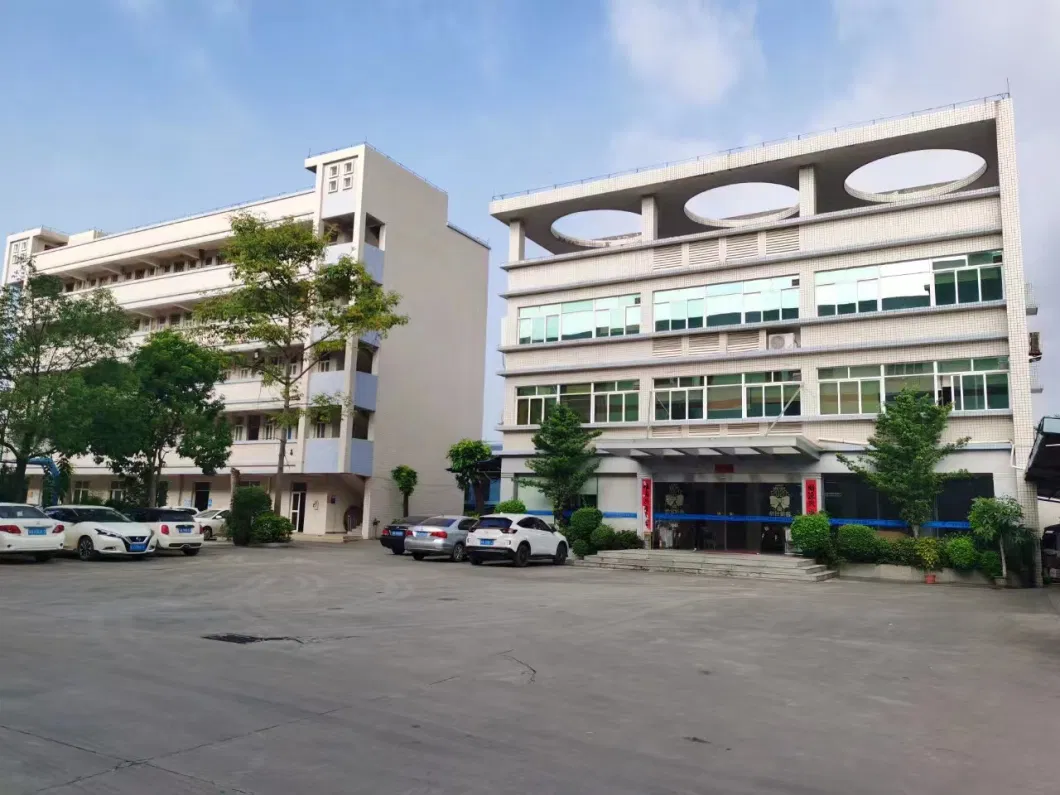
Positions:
(515, 537)
(95, 531)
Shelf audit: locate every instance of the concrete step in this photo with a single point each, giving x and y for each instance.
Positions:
(667, 558)
(815, 573)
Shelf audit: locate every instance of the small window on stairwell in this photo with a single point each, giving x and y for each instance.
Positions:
(359, 423)
(253, 427)
(374, 232)
(365, 358)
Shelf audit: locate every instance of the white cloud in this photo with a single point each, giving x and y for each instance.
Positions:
(689, 51)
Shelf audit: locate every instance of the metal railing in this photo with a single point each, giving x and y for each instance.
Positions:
(749, 147)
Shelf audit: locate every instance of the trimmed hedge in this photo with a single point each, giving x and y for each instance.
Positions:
(603, 537)
(858, 543)
(247, 503)
(961, 553)
(510, 506)
(812, 536)
(271, 528)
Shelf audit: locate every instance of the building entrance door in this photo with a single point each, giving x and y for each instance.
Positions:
(298, 492)
(202, 495)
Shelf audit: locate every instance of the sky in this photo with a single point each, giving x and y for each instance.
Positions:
(120, 113)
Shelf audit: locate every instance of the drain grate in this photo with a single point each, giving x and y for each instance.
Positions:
(234, 637)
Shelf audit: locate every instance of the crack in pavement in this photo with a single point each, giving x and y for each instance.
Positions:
(508, 656)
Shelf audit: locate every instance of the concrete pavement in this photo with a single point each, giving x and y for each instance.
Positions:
(384, 675)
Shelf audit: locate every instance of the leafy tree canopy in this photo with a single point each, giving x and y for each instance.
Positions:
(565, 458)
(466, 458)
(904, 453)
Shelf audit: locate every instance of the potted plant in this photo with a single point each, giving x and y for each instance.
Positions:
(929, 557)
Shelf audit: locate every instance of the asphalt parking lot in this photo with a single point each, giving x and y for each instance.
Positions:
(383, 675)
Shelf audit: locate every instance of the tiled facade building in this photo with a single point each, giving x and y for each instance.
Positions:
(338, 472)
(727, 361)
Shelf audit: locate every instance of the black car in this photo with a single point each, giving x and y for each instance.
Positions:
(393, 535)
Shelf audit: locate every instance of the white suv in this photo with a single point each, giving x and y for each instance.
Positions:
(517, 537)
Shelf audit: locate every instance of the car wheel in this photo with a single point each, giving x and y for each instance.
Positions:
(418, 556)
(86, 550)
(191, 551)
(208, 534)
(522, 555)
(475, 560)
(561, 555)
(398, 550)
(42, 557)
(457, 555)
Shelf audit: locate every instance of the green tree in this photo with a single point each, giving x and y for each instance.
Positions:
(565, 458)
(903, 455)
(1000, 521)
(174, 409)
(466, 459)
(405, 478)
(293, 307)
(49, 337)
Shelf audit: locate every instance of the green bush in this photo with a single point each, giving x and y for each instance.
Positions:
(990, 563)
(898, 553)
(271, 528)
(628, 539)
(961, 553)
(858, 543)
(582, 524)
(510, 506)
(603, 537)
(928, 553)
(811, 534)
(581, 548)
(247, 503)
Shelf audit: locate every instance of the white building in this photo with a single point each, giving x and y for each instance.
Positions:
(414, 393)
(728, 360)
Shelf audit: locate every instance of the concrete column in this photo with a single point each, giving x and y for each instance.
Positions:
(516, 241)
(649, 219)
(807, 191)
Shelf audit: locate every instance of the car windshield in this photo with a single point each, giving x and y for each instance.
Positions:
(21, 512)
(207, 514)
(498, 522)
(411, 520)
(437, 521)
(100, 515)
(169, 516)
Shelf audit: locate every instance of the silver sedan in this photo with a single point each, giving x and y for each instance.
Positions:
(439, 535)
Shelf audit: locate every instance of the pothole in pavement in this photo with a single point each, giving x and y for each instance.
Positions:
(234, 637)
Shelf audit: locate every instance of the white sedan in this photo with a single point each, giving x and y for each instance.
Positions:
(25, 530)
(174, 530)
(212, 523)
(93, 531)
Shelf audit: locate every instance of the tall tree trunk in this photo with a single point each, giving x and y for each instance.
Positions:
(152, 487)
(405, 503)
(21, 486)
(278, 491)
(1004, 564)
(480, 497)
(916, 530)
(233, 475)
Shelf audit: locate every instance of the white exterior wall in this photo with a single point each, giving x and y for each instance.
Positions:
(426, 387)
(979, 216)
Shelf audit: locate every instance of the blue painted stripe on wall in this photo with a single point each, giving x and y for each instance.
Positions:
(714, 517)
(607, 514)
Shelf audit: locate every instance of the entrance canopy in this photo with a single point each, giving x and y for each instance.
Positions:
(790, 447)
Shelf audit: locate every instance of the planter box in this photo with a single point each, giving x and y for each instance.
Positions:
(886, 572)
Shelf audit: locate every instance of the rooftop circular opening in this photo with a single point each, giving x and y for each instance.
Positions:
(743, 204)
(598, 228)
(915, 175)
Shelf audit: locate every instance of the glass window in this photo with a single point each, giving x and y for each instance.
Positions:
(724, 402)
(997, 391)
(990, 284)
(945, 289)
(616, 401)
(967, 286)
(21, 512)
(829, 392)
(731, 303)
(870, 397)
(604, 317)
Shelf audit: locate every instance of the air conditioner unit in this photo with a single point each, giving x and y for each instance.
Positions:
(780, 342)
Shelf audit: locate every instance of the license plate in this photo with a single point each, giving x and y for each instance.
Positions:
(397, 532)
(185, 528)
(38, 531)
(421, 535)
(137, 547)
(485, 542)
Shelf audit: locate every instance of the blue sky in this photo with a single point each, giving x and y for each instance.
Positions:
(125, 112)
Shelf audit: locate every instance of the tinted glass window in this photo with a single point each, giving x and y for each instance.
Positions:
(99, 515)
(437, 521)
(168, 516)
(21, 512)
(497, 522)
(411, 520)
(528, 522)
(466, 524)
(208, 514)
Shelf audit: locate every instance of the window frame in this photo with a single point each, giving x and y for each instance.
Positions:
(533, 323)
(759, 297)
(537, 400)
